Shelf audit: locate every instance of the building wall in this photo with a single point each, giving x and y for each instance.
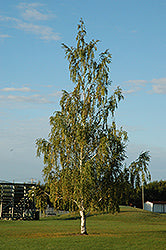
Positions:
(148, 206)
(157, 208)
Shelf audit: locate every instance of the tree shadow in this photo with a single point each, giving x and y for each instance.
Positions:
(66, 217)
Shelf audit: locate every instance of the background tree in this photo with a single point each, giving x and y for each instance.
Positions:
(41, 197)
(127, 188)
(84, 152)
(155, 191)
(139, 170)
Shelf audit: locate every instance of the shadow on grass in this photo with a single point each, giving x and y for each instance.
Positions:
(128, 209)
(67, 217)
(60, 217)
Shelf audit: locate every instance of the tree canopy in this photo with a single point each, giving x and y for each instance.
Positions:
(84, 152)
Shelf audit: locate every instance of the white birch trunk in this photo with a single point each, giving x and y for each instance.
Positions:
(83, 222)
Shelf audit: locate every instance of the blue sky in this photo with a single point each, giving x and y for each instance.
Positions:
(33, 71)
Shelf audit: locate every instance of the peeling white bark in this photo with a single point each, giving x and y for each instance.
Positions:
(83, 222)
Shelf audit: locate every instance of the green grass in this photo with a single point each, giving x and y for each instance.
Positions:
(130, 229)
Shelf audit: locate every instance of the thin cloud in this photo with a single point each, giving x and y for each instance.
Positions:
(137, 82)
(49, 86)
(134, 129)
(8, 19)
(134, 86)
(159, 81)
(56, 94)
(35, 99)
(33, 5)
(34, 11)
(159, 89)
(34, 14)
(31, 13)
(158, 86)
(17, 97)
(130, 91)
(4, 36)
(24, 89)
(44, 32)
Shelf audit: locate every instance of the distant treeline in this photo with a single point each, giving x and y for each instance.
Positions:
(153, 191)
(129, 193)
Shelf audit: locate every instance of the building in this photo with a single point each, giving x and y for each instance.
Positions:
(155, 206)
(15, 202)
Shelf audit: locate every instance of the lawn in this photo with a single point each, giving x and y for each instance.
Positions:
(130, 229)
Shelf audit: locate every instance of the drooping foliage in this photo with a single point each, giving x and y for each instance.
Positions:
(40, 197)
(84, 152)
(140, 171)
(139, 168)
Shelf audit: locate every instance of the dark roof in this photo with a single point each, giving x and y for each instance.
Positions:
(158, 202)
(17, 184)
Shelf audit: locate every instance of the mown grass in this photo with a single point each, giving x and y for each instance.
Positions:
(130, 229)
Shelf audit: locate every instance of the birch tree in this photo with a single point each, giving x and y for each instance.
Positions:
(139, 169)
(84, 152)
